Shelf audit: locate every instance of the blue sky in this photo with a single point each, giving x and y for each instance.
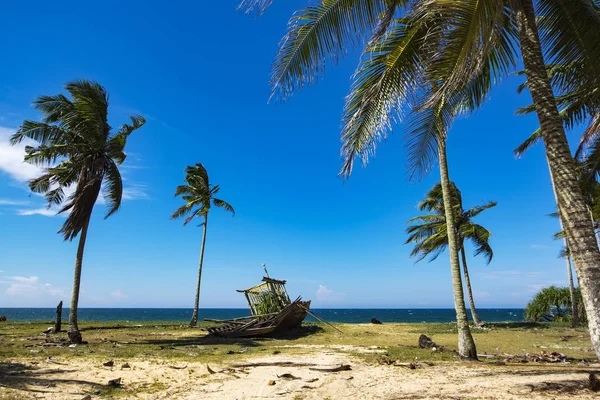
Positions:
(199, 71)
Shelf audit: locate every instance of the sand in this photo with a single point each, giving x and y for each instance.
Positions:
(72, 379)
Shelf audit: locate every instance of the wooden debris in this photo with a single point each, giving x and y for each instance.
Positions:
(48, 331)
(176, 367)
(58, 322)
(594, 383)
(126, 365)
(311, 380)
(210, 371)
(87, 397)
(411, 365)
(115, 382)
(288, 376)
(109, 363)
(271, 383)
(50, 360)
(343, 367)
(274, 364)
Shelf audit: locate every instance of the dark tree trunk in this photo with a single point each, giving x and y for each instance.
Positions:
(194, 320)
(58, 323)
(73, 331)
(466, 344)
(474, 315)
(579, 230)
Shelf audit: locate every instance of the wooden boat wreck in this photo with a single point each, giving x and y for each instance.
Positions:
(271, 309)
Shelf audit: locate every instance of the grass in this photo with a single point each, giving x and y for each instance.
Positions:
(170, 343)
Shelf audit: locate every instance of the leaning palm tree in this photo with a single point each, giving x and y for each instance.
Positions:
(198, 194)
(76, 143)
(429, 233)
(438, 59)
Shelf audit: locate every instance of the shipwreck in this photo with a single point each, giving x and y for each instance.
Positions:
(272, 312)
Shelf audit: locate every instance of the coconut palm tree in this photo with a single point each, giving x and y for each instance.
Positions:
(429, 233)
(76, 144)
(198, 194)
(438, 59)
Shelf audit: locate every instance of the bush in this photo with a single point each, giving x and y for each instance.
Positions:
(554, 304)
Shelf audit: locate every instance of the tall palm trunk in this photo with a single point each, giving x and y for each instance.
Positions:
(194, 320)
(474, 314)
(580, 233)
(466, 344)
(574, 305)
(73, 331)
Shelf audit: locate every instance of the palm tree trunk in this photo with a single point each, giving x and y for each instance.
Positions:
(194, 320)
(466, 344)
(474, 314)
(73, 331)
(574, 305)
(580, 234)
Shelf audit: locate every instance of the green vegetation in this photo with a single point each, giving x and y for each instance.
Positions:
(198, 194)
(162, 342)
(76, 133)
(554, 304)
(440, 60)
(430, 234)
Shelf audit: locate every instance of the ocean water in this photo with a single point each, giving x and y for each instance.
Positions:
(357, 315)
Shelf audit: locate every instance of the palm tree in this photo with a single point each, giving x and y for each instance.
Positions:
(430, 234)
(439, 59)
(198, 194)
(76, 143)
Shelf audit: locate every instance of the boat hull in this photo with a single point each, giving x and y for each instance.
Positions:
(289, 317)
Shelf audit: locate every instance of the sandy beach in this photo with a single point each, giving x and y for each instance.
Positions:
(167, 362)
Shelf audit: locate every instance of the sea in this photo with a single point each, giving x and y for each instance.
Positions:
(352, 316)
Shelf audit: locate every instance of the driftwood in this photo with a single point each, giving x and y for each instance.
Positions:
(542, 356)
(274, 364)
(176, 367)
(288, 376)
(58, 323)
(343, 367)
(594, 383)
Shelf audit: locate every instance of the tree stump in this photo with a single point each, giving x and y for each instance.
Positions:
(58, 324)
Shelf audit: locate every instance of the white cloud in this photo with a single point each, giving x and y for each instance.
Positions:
(118, 295)
(7, 202)
(11, 163)
(11, 158)
(29, 286)
(327, 295)
(23, 279)
(45, 211)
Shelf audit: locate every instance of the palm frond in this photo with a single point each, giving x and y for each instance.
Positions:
(320, 33)
(223, 204)
(250, 6)
(113, 188)
(386, 77)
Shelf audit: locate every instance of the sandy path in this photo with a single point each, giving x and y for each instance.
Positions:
(155, 380)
